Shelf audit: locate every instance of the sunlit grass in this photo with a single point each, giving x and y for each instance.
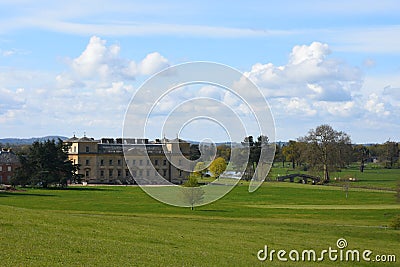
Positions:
(122, 226)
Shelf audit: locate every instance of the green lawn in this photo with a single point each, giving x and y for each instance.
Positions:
(122, 226)
(374, 176)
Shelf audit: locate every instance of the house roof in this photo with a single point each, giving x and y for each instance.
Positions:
(7, 157)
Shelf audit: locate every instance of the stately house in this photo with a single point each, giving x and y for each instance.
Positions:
(9, 162)
(103, 161)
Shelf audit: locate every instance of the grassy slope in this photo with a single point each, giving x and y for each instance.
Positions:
(114, 226)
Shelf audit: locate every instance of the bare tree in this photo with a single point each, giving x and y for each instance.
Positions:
(326, 149)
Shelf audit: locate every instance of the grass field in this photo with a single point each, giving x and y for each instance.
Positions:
(122, 226)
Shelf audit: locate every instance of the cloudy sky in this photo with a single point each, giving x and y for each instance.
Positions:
(73, 67)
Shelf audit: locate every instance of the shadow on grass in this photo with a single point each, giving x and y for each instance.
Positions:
(213, 210)
(77, 189)
(16, 193)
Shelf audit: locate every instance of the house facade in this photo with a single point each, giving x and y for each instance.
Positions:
(104, 161)
(9, 162)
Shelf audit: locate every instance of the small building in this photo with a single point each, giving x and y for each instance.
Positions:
(9, 162)
(104, 160)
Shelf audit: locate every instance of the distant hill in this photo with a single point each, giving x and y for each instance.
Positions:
(29, 141)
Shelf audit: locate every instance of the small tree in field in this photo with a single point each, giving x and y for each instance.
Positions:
(192, 192)
(217, 167)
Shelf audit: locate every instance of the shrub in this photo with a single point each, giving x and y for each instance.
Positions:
(395, 223)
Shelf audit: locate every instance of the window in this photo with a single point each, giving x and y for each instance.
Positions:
(156, 162)
(164, 173)
(180, 173)
(119, 162)
(110, 173)
(74, 149)
(133, 162)
(180, 162)
(119, 173)
(87, 162)
(102, 162)
(110, 162)
(87, 173)
(134, 173)
(87, 149)
(102, 173)
(148, 162)
(140, 172)
(164, 162)
(9, 168)
(127, 172)
(1, 168)
(147, 172)
(141, 162)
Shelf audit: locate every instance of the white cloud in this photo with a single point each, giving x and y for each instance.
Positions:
(153, 63)
(341, 109)
(309, 72)
(11, 100)
(297, 106)
(376, 105)
(99, 61)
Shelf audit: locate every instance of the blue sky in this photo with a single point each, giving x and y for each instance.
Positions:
(74, 66)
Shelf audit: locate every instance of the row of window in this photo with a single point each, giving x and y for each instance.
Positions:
(135, 173)
(8, 168)
(119, 162)
(73, 148)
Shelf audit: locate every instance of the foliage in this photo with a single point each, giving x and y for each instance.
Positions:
(217, 167)
(390, 153)
(326, 149)
(292, 152)
(254, 148)
(45, 164)
(395, 223)
(398, 191)
(224, 151)
(387, 153)
(194, 152)
(361, 153)
(200, 168)
(192, 192)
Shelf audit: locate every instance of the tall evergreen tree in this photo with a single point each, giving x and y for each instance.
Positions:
(46, 164)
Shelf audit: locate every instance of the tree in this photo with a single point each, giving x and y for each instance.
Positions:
(292, 152)
(45, 164)
(224, 151)
(194, 152)
(390, 153)
(200, 168)
(22, 174)
(279, 157)
(217, 167)
(192, 192)
(254, 152)
(326, 149)
(361, 154)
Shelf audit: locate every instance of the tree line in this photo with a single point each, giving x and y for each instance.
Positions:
(322, 150)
